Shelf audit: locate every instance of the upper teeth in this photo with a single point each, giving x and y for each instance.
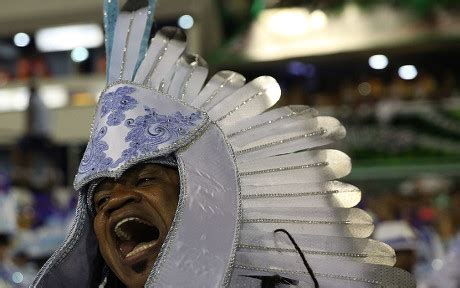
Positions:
(123, 235)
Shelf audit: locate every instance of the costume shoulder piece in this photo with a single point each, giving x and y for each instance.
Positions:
(248, 174)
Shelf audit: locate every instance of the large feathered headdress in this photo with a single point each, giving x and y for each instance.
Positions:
(246, 173)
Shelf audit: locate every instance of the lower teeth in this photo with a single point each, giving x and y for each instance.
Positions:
(139, 248)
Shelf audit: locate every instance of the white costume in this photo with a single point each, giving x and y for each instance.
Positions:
(244, 173)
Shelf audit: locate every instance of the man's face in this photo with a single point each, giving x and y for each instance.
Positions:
(133, 217)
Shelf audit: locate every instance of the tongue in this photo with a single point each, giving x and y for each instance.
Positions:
(127, 246)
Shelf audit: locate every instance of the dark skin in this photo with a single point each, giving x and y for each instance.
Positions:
(133, 216)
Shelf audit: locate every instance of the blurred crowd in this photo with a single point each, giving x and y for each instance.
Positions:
(36, 207)
(34, 220)
(371, 90)
(421, 221)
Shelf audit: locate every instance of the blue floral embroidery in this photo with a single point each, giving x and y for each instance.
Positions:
(95, 159)
(149, 131)
(116, 103)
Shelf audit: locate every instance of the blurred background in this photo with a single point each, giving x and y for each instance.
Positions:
(389, 70)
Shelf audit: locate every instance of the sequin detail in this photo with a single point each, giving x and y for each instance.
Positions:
(311, 252)
(193, 66)
(261, 125)
(239, 106)
(320, 132)
(289, 195)
(218, 90)
(125, 49)
(148, 79)
(282, 169)
(296, 221)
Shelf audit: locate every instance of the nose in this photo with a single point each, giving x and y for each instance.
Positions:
(120, 197)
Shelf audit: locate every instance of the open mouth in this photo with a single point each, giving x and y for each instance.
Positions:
(135, 236)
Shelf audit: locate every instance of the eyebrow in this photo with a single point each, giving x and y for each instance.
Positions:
(150, 169)
(137, 172)
(99, 187)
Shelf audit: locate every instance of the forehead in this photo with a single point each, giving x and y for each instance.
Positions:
(145, 167)
(138, 170)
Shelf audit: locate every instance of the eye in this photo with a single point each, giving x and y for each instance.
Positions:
(145, 181)
(101, 200)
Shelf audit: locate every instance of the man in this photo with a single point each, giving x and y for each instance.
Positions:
(133, 217)
(257, 204)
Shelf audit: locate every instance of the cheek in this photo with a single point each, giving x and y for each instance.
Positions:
(99, 228)
(167, 202)
(171, 209)
(103, 243)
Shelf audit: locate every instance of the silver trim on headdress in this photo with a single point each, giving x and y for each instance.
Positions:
(245, 172)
